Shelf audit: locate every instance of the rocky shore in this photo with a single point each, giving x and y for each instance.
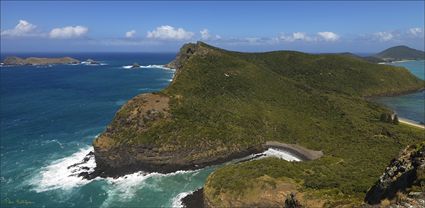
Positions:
(194, 200)
(104, 169)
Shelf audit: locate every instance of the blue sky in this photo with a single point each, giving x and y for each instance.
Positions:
(248, 26)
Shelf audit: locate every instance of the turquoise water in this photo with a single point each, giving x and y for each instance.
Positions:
(411, 106)
(49, 117)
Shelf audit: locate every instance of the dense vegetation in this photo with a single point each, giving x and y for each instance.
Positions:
(400, 53)
(223, 101)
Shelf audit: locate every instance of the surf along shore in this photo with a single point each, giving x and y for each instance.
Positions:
(196, 198)
(293, 150)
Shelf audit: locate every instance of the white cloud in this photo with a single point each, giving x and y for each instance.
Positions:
(167, 32)
(302, 36)
(23, 28)
(130, 34)
(328, 36)
(296, 36)
(205, 34)
(384, 36)
(299, 36)
(68, 32)
(417, 31)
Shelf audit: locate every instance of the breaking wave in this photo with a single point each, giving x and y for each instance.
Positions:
(63, 173)
(177, 201)
(147, 67)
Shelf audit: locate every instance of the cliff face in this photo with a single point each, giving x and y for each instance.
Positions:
(117, 151)
(224, 104)
(403, 175)
(39, 61)
(113, 156)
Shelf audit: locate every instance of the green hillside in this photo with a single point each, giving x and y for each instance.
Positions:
(224, 102)
(401, 53)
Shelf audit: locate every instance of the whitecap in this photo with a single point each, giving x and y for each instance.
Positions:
(127, 67)
(154, 66)
(177, 200)
(52, 141)
(61, 174)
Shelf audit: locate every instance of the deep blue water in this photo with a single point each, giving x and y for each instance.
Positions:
(50, 115)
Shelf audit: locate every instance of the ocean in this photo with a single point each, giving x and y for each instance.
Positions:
(410, 106)
(49, 118)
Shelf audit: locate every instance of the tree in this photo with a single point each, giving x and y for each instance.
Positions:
(389, 118)
(395, 120)
(292, 202)
(383, 117)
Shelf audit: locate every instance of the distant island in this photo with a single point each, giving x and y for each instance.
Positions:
(223, 105)
(399, 53)
(396, 53)
(16, 61)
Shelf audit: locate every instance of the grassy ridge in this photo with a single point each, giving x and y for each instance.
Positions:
(223, 101)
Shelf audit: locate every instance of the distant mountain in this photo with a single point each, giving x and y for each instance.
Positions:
(400, 53)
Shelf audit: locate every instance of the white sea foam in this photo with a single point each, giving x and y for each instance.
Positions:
(153, 66)
(125, 187)
(280, 154)
(57, 175)
(87, 63)
(271, 152)
(177, 200)
(157, 67)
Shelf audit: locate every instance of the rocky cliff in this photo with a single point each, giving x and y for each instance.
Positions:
(13, 60)
(403, 180)
(222, 104)
(116, 153)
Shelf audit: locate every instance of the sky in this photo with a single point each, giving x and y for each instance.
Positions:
(142, 26)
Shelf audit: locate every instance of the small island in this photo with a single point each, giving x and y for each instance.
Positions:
(135, 66)
(35, 61)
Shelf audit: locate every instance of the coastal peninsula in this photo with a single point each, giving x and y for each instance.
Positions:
(223, 105)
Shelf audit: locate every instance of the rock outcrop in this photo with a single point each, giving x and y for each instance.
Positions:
(217, 109)
(116, 155)
(13, 60)
(292, 202)
(403, 173)
(135, 117)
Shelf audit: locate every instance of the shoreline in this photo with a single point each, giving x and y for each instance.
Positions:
(411, 123)
(400, 61)
(196, 199)
(394, 94)
(297, 151)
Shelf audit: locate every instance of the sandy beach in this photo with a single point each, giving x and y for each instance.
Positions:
(412, 123)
